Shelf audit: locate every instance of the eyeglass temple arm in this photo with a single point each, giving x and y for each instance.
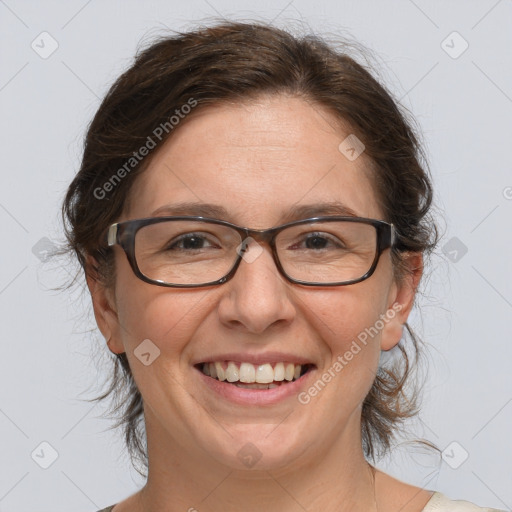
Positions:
(112, 235)
(392, 235)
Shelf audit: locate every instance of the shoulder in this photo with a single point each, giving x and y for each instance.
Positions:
(108, 509)
(440, 503)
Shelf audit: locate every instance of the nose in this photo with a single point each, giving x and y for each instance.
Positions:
(257, 296)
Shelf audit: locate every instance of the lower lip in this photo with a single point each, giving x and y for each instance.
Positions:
(247, 396)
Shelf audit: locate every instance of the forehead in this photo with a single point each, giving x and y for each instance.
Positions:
(257, 161)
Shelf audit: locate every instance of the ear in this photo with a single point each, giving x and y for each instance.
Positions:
(401, 300)
(105, 312)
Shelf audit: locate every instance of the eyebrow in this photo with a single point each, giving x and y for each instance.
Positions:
(296, 212)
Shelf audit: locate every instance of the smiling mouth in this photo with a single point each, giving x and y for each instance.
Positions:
(249, 376)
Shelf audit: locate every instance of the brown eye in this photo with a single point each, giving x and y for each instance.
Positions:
(191, 241)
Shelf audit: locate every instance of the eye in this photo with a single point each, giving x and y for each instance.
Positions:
(319, 241)
(190, 242)
(316, 242)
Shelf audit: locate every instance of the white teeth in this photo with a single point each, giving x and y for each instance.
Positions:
(221, 374)
(289, 371)
(265, 374)
(248, 373)
(232, 374)
(255, 385)
(279, 372)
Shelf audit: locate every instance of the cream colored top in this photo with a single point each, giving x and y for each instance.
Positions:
(437, 503)
(440, 503)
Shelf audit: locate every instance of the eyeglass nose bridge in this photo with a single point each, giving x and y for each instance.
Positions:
(260, 237)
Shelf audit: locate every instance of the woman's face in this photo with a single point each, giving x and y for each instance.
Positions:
(258, 162)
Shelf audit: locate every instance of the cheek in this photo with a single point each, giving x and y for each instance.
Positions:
(157, 327)
(354, 335)
(345, 313)
(165, 316)
(350, 324)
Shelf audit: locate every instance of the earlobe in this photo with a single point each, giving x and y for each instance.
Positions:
(105, 313)
(401, 301)
(393, 328)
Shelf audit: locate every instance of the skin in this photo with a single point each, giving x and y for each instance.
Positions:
(257, 160)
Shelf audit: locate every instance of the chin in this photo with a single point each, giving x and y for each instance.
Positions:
(257, 447)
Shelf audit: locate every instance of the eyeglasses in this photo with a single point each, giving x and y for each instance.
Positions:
(190, 252)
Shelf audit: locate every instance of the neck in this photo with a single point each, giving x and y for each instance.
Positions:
(182, 478)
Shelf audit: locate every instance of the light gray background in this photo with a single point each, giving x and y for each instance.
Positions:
(464, 107)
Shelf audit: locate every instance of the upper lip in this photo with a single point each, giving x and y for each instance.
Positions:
(256, 359)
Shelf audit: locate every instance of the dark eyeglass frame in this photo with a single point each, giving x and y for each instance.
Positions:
(123, 234)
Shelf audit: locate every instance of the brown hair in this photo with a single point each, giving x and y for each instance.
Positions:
(234, 61)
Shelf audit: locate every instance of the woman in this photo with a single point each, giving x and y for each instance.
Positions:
(252, 215)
